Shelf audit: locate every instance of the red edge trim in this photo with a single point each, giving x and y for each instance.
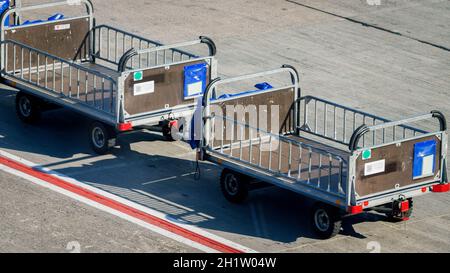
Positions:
(441, 187)
(127, 126)
(153, 220)
(355, 209)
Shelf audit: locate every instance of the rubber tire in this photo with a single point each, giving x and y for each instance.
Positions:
(335, 220)
(241, 180)
(167, 132)
(35, 108)
(108, 134)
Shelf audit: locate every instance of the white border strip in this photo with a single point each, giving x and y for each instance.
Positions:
(121, 200)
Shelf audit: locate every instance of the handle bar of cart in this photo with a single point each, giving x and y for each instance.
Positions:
(9, 11)
(363, 129)
(127, 56)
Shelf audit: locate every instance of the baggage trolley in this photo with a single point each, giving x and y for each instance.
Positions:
(120, 80)
(348, 160)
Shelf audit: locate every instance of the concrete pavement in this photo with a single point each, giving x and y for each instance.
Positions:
(375, 70)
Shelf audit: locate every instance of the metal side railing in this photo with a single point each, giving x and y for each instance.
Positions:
(111, 44)
(278, 155)
(58, 75)
(336, 122)
(365, 129)
(163, 55)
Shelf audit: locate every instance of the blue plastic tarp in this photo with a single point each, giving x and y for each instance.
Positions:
(260, 86)
(4, 5)
(54, 17)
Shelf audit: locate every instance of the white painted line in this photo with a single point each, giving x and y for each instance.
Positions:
(109, 210)
(171, 178)
(123, 201)
(188, 174)
(167, 178)
(159, 180)
(206, 216)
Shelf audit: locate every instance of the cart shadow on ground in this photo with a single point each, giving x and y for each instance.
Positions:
(49, 136)
(162, 182)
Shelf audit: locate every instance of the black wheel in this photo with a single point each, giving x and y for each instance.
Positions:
(326, 221)
(101, 137)
(167, 130)
(28, 107)
(234, 186)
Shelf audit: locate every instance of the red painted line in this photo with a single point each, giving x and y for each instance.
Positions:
(161, 223)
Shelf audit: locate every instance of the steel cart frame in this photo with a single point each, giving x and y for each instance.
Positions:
(348, 160)
(117, 78)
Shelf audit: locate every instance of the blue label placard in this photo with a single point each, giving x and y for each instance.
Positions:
(194, 80)
(424, 159)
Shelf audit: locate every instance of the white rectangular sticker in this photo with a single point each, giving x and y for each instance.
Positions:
(194, 88)
(374, 167)
(144, 88)
(62, 27)
(427, 165)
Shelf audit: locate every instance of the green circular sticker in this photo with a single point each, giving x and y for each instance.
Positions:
(367, 154)
(138, 75)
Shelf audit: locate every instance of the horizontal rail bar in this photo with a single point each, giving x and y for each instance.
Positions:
(399, 122)
(55, 4)
(175, 47)
(218, 81)
(140, 38)
(7, 12)
(363, 129)
(358, 112)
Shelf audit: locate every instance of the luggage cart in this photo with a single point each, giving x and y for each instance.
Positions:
(347, 160)
(118, 79)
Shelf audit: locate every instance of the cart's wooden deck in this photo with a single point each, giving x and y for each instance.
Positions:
(334, 150)
(102, 69)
